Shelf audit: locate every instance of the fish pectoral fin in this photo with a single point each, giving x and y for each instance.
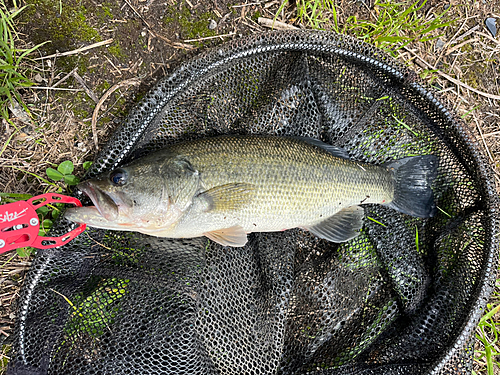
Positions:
(341, 227)
(228, 197)
(233, 236)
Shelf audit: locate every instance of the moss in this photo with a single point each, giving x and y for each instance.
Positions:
(139, 97)
(232, 9)
(120, 108)
(106, 8)
(143, 42)
(104, 12)
(256, 16)
(65, 30)
(103, 87)
(116, 50)
(476, 75)
(81, 113)
(105, 120)
(67, 25)
(80, 105)
(193, 24)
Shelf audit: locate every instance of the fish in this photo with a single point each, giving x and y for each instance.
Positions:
(226, 187)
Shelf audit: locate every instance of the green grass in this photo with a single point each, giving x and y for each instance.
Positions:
(12, 61)
(312, 13)
(487, 334)
(396, 25)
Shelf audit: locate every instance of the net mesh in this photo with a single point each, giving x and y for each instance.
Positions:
(402, 298)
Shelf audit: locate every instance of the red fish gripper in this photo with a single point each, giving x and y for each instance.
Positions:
(19, 223)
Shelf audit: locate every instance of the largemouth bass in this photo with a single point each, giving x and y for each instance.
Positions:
(228, 186)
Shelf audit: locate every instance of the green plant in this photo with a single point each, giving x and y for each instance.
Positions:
(4, 359)
(12, 67)
(313, 12)
(394, 24)
(25, 252)
(92, 313)
(397, 25)
(64, 172)
(487, 333)
(376, 221)
(13, 197)
(87, 165)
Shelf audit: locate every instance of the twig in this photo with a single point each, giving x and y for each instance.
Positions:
(97, 242)
(252, 26)
(173, 44)
(140, 16)
(455, 81)
(208, 37)
(488, 37)
(482, 138)
(464, 85)
(447, 44)
(491, 134)
(74, 52)
(53, 88)
(65, 77)
(244, 5)
(8, 261)
(468, 32)
(267, 22)
(458, 46)
(82, 83)
(113, 65)
(128, 82)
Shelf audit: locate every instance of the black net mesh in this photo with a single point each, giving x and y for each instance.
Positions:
(402, 298)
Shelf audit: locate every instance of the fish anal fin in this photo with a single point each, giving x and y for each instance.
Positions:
(341, 227)
(233, 236)
(228, 197)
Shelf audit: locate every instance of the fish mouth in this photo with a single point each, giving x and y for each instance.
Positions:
(102, 201)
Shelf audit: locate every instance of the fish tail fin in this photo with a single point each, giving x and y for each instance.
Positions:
(412, 186)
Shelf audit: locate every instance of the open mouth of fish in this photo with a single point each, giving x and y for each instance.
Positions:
(104, 206)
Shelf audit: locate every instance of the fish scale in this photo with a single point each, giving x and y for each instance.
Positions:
(293, 180)
(225, 187)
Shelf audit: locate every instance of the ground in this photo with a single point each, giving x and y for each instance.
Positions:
(144, 40)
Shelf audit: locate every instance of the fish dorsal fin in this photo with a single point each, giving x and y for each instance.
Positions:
(340, 227)
(228, 197)
(183, 181)
(233, 236)
(335, 151)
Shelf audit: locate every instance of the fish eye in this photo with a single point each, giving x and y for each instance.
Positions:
(118, 177)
